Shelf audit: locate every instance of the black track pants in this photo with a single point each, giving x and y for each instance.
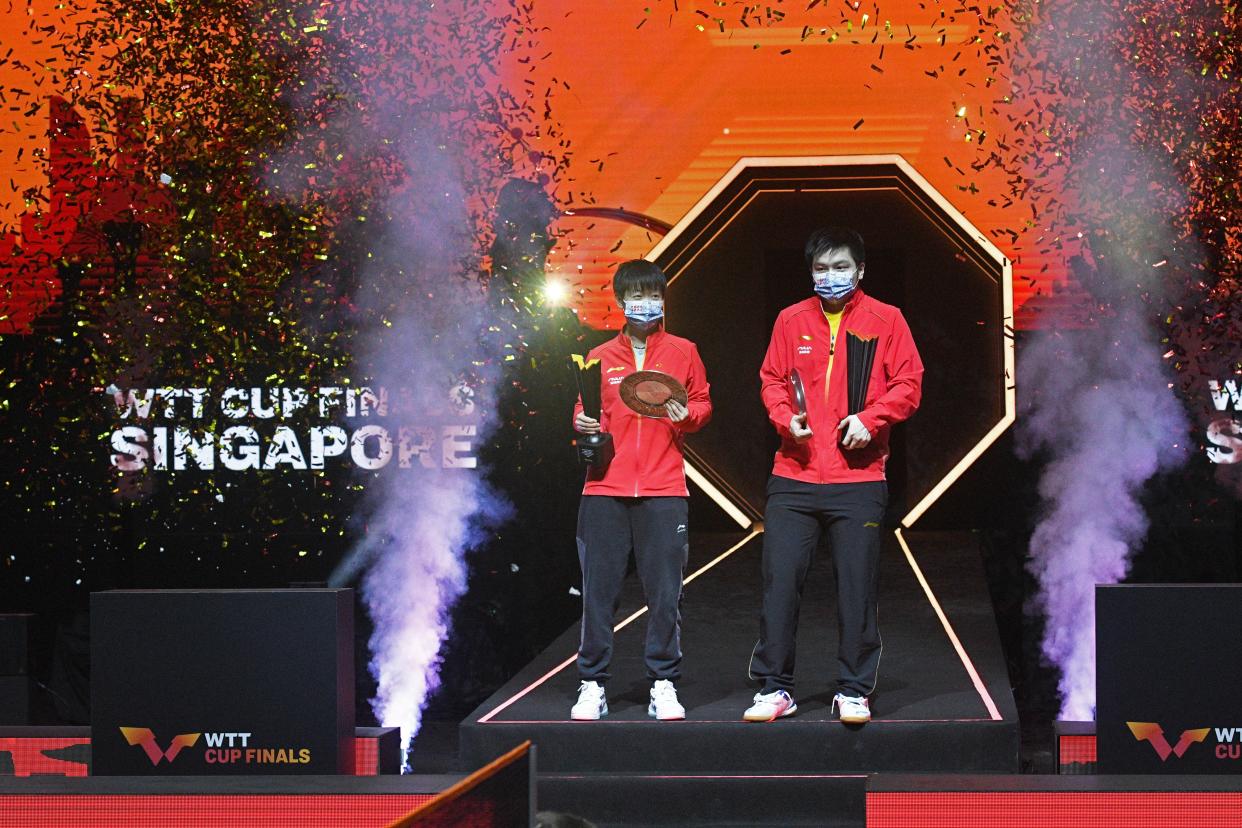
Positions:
(796, 513)
(656, 529)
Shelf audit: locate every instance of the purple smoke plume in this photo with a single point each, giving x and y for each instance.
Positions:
(1100, 405)
(1098, 399)
(422, 521)
(430, 111)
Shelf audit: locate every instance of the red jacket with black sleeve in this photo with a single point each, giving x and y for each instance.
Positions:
(801, 338)
(648, 461)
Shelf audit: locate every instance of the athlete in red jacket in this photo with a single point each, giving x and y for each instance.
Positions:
(829, 471)
(639, 500)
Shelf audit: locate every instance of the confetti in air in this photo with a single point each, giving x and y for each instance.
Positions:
(1135, 147)
(270, 195)
(279, 195)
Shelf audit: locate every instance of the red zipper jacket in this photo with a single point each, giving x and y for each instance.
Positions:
(801, 338)
(648, 462)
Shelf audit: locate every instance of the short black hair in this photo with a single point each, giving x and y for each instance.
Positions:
(638, 274)
(830, 238)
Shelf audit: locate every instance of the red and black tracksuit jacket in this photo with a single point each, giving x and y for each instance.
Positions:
(648, 461)
(801, 338)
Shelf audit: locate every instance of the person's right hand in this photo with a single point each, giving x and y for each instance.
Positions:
(798, 428)
(585, 424)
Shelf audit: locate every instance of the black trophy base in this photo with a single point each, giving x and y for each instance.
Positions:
(595, 449)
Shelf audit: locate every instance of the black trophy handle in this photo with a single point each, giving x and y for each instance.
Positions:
(594, 450)
(589, 379)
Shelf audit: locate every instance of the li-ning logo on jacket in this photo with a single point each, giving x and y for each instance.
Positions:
(144, 737)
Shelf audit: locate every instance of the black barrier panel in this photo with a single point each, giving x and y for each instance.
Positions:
(1169, 678)
(210, 682)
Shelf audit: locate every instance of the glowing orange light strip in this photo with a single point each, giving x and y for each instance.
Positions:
(980, 687)
(954, 215)
(730, 508)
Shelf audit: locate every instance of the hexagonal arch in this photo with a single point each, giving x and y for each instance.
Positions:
(736, 259)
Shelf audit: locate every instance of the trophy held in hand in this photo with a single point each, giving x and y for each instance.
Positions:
(595, 449)
(797, 392)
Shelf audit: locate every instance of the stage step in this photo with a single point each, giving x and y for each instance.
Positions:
(623, 800)
(787, 746)
(943, 705)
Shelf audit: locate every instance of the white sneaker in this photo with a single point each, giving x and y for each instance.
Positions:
(770, 706)
(591, 702)
(854, 709)
(664, 705)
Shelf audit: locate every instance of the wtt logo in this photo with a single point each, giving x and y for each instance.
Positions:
(144, 737)
(1152, 732)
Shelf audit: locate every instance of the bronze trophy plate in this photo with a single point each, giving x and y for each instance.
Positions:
(646, 392)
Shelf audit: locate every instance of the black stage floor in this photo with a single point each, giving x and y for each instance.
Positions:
(943, 705)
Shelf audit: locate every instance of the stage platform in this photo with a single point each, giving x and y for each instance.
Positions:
(943, 705)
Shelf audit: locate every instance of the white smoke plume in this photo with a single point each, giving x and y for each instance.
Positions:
(435, 126)
(421, 522)
(1098, 403)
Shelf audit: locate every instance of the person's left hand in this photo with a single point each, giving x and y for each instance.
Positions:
(855, 433)
(676, 411)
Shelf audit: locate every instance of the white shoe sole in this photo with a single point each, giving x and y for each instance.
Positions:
(587, 717)
(651, 711)
(788, 711)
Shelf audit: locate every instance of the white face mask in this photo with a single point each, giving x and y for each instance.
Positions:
(835, 284)
(644, 312)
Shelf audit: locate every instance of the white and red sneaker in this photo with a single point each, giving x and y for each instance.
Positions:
(853, 709)
(770, 706)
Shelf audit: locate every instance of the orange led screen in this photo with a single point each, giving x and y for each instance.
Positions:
(654, 101)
